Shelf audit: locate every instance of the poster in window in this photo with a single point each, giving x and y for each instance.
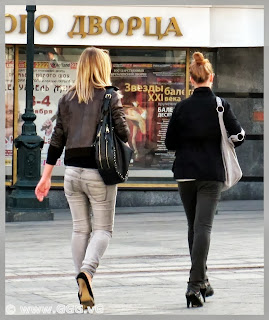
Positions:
(150, 93)
(51, 80)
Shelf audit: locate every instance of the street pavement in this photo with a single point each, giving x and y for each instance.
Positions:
(145, 269)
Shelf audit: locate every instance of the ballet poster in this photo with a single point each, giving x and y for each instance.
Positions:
(150, 93)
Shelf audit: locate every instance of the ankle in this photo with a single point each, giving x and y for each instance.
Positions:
(88, 275)
(194, 287)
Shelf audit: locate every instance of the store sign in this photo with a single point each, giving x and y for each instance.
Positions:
(168, 26)
(138, 26)
(97, 25)
(108, 25)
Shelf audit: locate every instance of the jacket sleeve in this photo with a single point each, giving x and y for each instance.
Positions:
(53, 155)
(170, 141)
(232, 125)
(118, 117)
(58, 137)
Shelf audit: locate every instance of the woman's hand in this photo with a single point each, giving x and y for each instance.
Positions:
(42, 188)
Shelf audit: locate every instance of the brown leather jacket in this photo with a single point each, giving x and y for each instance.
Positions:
(77, 123)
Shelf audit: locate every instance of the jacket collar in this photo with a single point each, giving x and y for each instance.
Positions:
(203, 91)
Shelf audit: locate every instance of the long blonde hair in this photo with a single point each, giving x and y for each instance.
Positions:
(93, 71)
(200, 68)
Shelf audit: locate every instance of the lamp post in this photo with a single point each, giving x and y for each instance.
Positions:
(22, 204)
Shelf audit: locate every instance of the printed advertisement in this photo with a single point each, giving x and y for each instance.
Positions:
(150, 93)
(51, 80)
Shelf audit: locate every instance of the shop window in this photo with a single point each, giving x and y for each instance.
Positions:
(152, 82)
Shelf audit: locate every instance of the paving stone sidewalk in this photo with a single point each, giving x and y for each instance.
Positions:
(145, 269)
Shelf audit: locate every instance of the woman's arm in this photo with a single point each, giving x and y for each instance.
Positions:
(232, 125)
(170, 141)
(57, 137)
(119, 121)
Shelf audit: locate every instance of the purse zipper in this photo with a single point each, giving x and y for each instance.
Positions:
(107, 131)
(100, 161)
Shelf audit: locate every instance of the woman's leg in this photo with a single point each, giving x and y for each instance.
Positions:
(80, 211)
(208, 195)
(103, 200)
(95, 250)
(188, 194)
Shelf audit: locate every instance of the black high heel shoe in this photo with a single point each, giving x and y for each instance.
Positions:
(85, 293)
(193, 298)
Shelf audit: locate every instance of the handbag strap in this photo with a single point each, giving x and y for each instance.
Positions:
(107, 99)
(106, 109)
(220, 110)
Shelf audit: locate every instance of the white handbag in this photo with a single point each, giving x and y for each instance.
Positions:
(233, 172)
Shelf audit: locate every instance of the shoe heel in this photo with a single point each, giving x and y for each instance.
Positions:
(188, 301)
(203, 293)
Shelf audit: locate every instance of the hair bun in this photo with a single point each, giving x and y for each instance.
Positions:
(199, 58)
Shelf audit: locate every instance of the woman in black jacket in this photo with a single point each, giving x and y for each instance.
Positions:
(78, 116)
(194, 133)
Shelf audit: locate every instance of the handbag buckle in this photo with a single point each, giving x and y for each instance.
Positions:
(221, 109)
(108, 96)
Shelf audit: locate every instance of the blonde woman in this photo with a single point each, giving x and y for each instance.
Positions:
(194, 133)
(78, 115)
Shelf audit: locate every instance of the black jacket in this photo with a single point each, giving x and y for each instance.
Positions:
(194, 133)
(76, 127)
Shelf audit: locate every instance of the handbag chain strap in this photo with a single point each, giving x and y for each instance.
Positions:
(220, 110)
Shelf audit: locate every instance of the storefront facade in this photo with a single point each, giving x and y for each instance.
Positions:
(150, 48)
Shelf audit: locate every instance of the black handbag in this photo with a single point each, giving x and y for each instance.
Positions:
(112, 155)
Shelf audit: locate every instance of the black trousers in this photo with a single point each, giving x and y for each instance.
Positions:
(200, 199)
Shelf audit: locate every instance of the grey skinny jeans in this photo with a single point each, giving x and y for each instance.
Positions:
(92, 206)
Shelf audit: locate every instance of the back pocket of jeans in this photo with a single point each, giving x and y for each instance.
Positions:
(68, 187)
(97, 191)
